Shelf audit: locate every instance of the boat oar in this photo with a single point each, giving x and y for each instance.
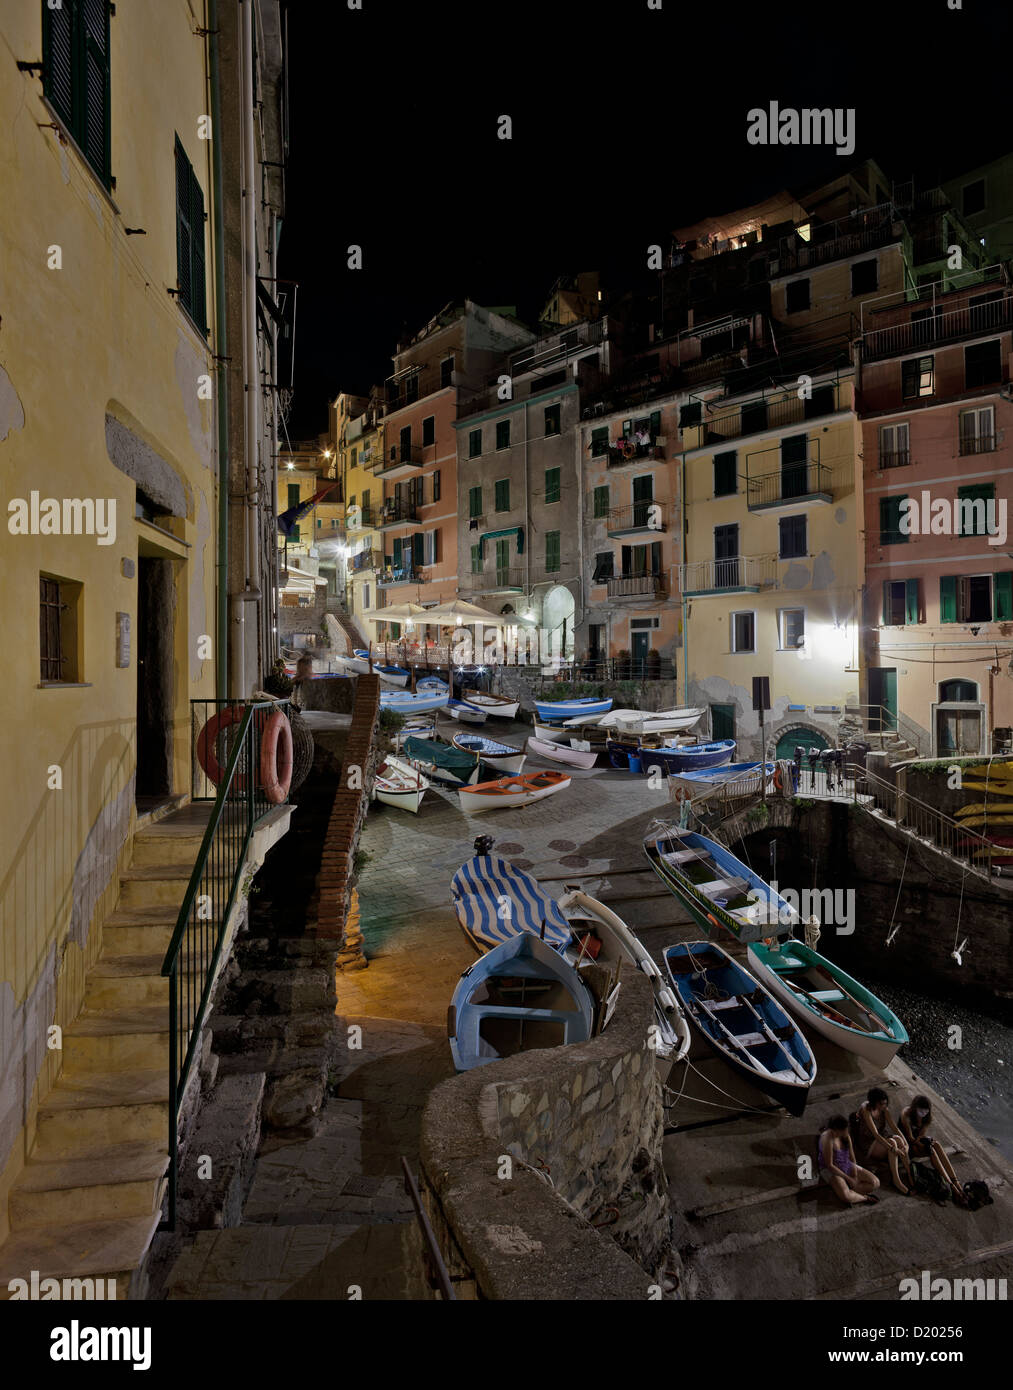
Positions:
(819, 1006)
(881, 1024)
(771, 1036)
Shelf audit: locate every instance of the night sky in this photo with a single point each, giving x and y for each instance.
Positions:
(626, 124)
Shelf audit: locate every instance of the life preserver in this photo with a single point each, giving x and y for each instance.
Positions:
(276, 758)
(207, 741)
(778, 777)
(680, 794)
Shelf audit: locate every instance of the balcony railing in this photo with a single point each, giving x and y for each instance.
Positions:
(402, 574)
(739, 572)
(977, 444)
(395, 515)
(937, 329)
(559, 348)
(498, 580)
(753, 417)
(791, 483)
(403, 458)
(895, 458)
(415, 387)
(636, 586)
(622, 452)
(833, 241)
(641, 516)
(365, 561)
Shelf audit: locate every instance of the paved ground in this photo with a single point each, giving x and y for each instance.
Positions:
(329, 1213)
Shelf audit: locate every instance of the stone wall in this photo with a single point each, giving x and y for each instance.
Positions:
(526, 684)
(302, 618)
(542, 1174)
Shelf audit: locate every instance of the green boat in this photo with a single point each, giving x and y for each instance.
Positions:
(441, 762)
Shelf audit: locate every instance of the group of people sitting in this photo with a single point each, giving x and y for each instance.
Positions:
(871, 1135)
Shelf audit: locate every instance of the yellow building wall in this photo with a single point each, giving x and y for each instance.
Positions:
(99, 335)
(360, 478)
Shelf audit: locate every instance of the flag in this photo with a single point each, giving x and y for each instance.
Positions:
(288, 521)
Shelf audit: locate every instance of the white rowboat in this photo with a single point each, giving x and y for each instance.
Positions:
(399, 784)
(561, 752)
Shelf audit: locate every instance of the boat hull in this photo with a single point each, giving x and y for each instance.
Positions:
(392, 790)
(878, 1048)
(555, 711)
(666, 721)
(494, 901)
(404, 703)
(465, 713)
(492, 796)
(697, 782)
(560, 752)
(510, 761)
(499, 707)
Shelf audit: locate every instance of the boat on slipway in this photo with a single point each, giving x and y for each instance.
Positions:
(494, 901)
(741, 1022)
(556, 711)
(522, 790)
(429, 685)
(641, 722)
(671, 758)
(399, 784)
(402, 702)
(501, 757)
(499, 706)
(519, 996)
(561, 752)
(441, 762)
(465, 713)
(746, 778)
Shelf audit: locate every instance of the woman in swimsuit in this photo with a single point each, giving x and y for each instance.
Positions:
(877, 1138)
(915, 1120)
(838, 1167)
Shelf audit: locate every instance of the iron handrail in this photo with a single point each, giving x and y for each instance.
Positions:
(432, 1249)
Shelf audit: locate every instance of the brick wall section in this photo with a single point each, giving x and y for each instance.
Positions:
(337, 871)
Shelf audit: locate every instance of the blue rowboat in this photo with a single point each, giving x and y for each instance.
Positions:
(698, 781)
(520, 996)
(402, 702)
(495, 902)
(504, 757)
(465, 713)
(670, 758)
(428, 684)
(441, 763)
(718, 890)
(395, 675)
(741, 1022)
(554, 711)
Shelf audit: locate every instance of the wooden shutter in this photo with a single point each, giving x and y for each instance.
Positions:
(418, 549)
(655, 557)
(94, 136)
(184, 235)
(1003, 603)
(655, 425)
(948, 598)
(58, 58)
(397, 552)
(198, 273)
(912, 607)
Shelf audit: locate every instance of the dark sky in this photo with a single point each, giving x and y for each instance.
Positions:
(626, 123)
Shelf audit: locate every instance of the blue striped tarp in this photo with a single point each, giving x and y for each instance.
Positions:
(494, 901)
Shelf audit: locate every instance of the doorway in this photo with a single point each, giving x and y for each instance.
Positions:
(156, 625)
(882, 698)
(726, 557)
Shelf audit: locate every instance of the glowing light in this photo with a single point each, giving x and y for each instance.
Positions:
(290, 466)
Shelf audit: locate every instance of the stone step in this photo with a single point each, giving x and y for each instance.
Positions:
(79, 1250)
(154, 885)
(93, 1111)
(138, 931)
(126, 1182)
(160, 842)
(124, 981)
(118, 1039)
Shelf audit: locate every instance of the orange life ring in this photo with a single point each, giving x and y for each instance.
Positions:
(276, 758)
(206, 743)
(680, 794)
(778, 778)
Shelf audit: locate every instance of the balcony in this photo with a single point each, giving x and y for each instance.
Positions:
(792, 485)
(936, 330)
(742, 574)
(401, 574)
(398, 515)
(977, 444)
(361, 518)
(836, 241)
(637, 586)
(649, 516)
(755, 417)
(365, 562)
(504, 579)
(403, 465)
(621, 453)
(895, 458)
(416, 386)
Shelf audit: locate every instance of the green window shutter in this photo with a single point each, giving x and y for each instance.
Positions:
(474, 443)
(601, 501)
(418, 549)
(184, 236)
(198, 288)
(552, 550)
(655, 425)
(397, 552)
(552, 485)
(725, 479)
(948, 598)
(886, 602)
(1003, 605)
(977, 492)
(58, 33)
(476, 559)
(911, 607)
(599, 441)
(475, 502)
(94, 129)
(503, 495)
(889, 521)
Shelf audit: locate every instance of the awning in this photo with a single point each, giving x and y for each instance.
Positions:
(493, 535)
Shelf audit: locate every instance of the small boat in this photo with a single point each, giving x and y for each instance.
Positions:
(670, 758)
(662, 721)
(421, 726)
(555, 711)
(400, 784)
(503, 757)
(521, 996)
(717, 889)
(393, 675)
(495, 901)
(440, 762)
(500, 706)
(430, 684)
(352, 665)
(561, 752)
(823, 997)
(465, 713)
(402, 702)
(361, 652)
(602, 936)
(512, 791)
(743, 1024)
(552, 733)
(699, 781)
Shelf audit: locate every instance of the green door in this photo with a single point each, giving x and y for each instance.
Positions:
(795, 738)
(722, 721)
(882, 698)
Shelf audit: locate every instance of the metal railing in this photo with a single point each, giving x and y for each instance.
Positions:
(437, 1274)
(623, 452)
(644, 515)
(752, 417)
(191, 960)
(790, 483)
(366, 560)
(833, 241)
(400, 459)
(926, 822)
(402, 574)
(636, 586)
(977, 444)
(738, 572)
(937, 329)
(881, 722)
(392, 515)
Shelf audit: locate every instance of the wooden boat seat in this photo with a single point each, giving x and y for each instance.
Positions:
(712, 1005)
(714, 886)
(750, 1039)
(683, 856)
(826, 996)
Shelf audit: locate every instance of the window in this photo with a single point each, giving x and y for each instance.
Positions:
(602, 500)
(726, 480)
(894, 451)
(865, 276)
(75, 76)
(890, 532)
(973, 197)
(293, 494)
(190, 276)
(475, 501)
(59, 608)
(474, 443)
(974, 508)
(431, 548)
(552, 493)
(977, 430)
(976, 598)
(982, 364)
(502, 434)
(406, 444)
(796, 296)
(476, 559)
(604, 567)
(551, 551)
(743, 632)
(918, 377)
(901, 602)
(429, 430)
(599, 442)
(447, 371)
(552, 418)
(793, 537)
(690, 415)
(962, 692)
(503, 495)
(436, 486)
(791, 628)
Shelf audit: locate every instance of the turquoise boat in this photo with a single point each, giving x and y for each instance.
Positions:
(442, 763)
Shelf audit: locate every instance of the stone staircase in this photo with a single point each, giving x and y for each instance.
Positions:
(355, 637)
(89, 1197)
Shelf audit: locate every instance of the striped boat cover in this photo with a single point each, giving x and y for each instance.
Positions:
(481, 883)
(484, 745)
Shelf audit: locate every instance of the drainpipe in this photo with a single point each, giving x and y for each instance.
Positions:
(527, 534)
(251, 373)
(682, 571)
(221, 351)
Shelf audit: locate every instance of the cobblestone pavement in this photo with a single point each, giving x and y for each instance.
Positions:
(329, 1213)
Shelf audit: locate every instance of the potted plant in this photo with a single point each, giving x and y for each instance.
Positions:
(653, 664)
(625, 659)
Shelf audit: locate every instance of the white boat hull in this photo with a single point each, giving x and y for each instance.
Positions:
(472, 800)
(467, 716)
(551, 733)
(498, 709)
(404, 788)
(644, 722)
(560, 752)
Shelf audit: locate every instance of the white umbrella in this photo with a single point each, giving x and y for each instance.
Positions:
(396, 613)
(460, 612)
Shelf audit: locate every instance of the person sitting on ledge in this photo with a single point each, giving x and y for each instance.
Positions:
(838, 1168)
(916, 1121)
(878, 1139)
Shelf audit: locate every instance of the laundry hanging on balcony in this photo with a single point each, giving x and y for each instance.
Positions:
(507, 531)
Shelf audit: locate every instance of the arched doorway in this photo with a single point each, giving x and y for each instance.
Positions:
(799, 735)
(557, 621)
